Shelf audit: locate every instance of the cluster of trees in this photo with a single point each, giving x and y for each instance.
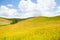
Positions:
(16, 20)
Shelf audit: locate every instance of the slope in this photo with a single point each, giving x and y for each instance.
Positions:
(37, 28)
(4, 21)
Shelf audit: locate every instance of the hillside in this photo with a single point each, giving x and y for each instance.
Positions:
(4, 21)
(8, 21)
(37, 28)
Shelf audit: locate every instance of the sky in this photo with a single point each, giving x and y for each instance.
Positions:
(29, 8)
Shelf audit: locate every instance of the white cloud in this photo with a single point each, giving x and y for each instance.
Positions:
(7, 12)
(30, 9)
(28, 14)
(58, 10)
(42, 8)
(44, 5)
(9, 5)
(26, 6)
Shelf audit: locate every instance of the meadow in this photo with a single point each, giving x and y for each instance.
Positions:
(36, 28)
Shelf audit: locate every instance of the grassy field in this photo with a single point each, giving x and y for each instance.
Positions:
(4, 22)
(37, 28)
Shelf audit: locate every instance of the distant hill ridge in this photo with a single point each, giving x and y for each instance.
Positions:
(16, 20)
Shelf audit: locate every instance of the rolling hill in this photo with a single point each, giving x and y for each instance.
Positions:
(8, 21)
(4, 21)
(37, 28)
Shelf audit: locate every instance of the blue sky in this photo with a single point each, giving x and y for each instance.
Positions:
(5, 2)
(29, 8)
(14, 2)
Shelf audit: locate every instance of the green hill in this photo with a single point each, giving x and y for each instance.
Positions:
(36, 28)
